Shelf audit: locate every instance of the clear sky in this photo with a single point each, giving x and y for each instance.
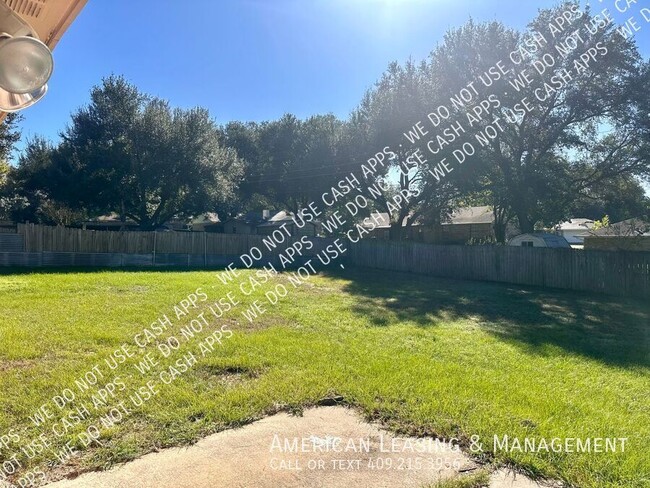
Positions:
(253, 59)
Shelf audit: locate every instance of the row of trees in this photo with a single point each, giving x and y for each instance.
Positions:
(125, 153)
(580, 152)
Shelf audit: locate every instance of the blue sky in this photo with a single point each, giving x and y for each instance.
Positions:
(253, 59)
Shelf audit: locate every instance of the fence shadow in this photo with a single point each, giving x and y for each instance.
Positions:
(56, 270)
(609, 329)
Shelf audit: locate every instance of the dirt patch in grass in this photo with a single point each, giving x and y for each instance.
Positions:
(14, 364)
(229, 376)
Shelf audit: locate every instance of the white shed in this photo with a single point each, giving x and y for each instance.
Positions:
(539, 239)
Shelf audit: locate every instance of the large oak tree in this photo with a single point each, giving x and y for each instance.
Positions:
(136, 156)
(579, 134)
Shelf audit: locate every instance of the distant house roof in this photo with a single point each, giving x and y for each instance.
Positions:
(277, 219)
(553, 240)
(111, 219)
(465, 215)
(281, 218)
(576, 224)
(471, 215)
(251, 218)
(206, 218)
(550, 240)
(629, 227)
(378, 220)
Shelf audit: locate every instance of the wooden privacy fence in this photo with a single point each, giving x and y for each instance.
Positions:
(40, 238)
(614, 273)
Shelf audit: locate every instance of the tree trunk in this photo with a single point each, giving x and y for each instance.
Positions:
(526, 225)
(500, 231)
(122, 215)
(501, 220)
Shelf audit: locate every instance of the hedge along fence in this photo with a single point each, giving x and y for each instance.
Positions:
(613, 273)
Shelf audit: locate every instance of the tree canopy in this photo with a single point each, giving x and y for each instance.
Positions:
(555, 115)
(136, 156)
(575, 121)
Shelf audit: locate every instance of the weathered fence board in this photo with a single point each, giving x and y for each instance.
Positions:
(614, 273)
(11, 242)
(40, 238)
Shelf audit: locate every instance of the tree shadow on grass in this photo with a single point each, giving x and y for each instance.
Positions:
(612, 330)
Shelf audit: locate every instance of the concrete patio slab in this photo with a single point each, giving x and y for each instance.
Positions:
(327, 447)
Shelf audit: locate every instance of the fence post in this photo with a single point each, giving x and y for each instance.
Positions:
(205, 249)
(154, 247)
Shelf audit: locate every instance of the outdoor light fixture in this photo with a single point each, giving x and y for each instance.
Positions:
(26, 63)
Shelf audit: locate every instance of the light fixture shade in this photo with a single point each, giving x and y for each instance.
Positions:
(13, 102)
(26, 64)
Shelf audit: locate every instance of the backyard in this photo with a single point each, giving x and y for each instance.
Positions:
(422, 356)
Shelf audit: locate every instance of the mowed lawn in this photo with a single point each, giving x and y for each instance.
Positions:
(425, 356)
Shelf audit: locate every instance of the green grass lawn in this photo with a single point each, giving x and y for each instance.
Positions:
(424, 356)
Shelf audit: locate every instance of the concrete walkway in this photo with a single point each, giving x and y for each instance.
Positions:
(332, 451)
